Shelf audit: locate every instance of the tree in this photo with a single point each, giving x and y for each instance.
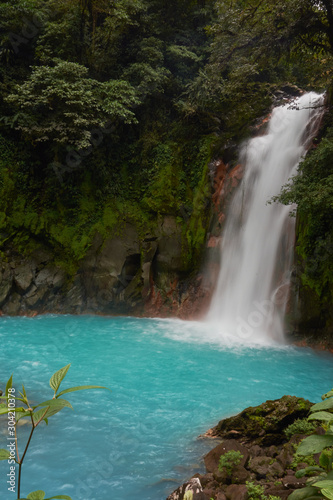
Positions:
(60, 105)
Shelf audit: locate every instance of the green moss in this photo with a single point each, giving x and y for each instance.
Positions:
(261, 420)
(300, 459)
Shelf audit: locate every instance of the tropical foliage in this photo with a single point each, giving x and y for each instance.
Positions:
(123, 104)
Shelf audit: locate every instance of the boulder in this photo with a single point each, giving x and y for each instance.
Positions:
(212, 458)
(236, 492)
(239, 475)
(23, 276)
(192, 490)
(260, 466)
(221, 496)
(292, 482)
(286, 455)
(6, 282)
(264, 424)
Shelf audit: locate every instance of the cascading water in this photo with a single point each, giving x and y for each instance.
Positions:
(257, 244)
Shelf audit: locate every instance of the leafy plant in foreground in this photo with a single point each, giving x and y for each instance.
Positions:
(320, 482)
(37, 414)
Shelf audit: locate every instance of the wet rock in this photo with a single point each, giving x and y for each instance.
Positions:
(286, 455)
(6, 281)
(256, 451)
(192, 486)
(169, 255)
(260, 466)
(34, 297)
(236, 492)
(23, 276)
(264, 424)
(212, 458)
(272, 451)
(239, 475)
(275, 470)
(221, 496)
(13, 307)
(292, 482)
(205, 479)
(222, 476)
(51, 276)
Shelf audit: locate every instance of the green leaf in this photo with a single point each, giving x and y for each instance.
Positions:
(328, 493)
(323, 405)
(327, 395)
(314, 444)
(58, 377)
(55, 403)
(321, 415)
(39, 415)
(4, 454)
(4, 410)
(325, 460)
(22, 414)
(303, 494)
(307, 470)
(12, 397)
(325, 483)
(61, 497)
(24, 395)
(81, 388)
(9, 385)
(36, 495)
(50, 408)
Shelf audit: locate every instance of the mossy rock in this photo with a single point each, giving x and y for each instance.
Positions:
(264, 424)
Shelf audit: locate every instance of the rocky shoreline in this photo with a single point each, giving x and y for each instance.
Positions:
(267, 455)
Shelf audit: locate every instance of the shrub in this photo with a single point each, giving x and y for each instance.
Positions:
(300, 426)
(229, 460)
(256, 492)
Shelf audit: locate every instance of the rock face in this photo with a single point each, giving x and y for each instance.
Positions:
(267, 457)
(127, 272)
(119, 274)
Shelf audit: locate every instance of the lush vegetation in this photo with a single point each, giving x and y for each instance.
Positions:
(320, 482)
(36, 414)
(111, 110)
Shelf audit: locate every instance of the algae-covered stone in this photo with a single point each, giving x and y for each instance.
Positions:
(264, 424)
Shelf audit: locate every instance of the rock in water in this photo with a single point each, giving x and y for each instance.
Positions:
(192, 490)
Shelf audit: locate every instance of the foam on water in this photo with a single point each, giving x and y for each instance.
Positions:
(169, 384)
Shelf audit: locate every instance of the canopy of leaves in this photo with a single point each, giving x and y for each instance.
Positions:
(177, 79)
(60, 104)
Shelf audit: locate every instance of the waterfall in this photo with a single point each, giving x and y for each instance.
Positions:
(249, 300)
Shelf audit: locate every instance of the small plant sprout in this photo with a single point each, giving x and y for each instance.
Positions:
(36, 414)
(230, 460)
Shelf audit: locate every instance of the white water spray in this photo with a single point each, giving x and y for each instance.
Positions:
(249, 301)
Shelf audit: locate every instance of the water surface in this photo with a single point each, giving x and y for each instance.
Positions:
(170, 382)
